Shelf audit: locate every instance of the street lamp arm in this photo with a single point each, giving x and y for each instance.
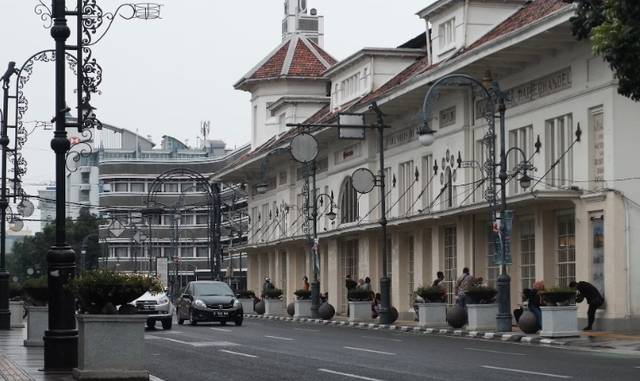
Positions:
(261, 187)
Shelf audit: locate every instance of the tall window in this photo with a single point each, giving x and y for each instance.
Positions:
(387, 189)
(283, 276)
(527, 253)
(348, 265)
(480, 174)
(446, 33)
(410, 270)
(389, 257)
(523, 139)
(202, 252)
(559, 138)
(493, 270)
(254, 223)
(566, 249)
(348, 202)
(406, 188)
(427, 180)
(450, 261)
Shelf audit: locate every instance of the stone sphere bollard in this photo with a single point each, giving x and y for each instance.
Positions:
(291, 308)
(393, 314)
(528, 322)
(259, 308)
(456, 317)
(326, 311)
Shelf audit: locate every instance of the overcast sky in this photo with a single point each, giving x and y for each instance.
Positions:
(163, 77)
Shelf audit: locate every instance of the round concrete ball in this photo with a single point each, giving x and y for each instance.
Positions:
(456, 317)
(259, 308)
(528, 322)
(326, 311)
(393, 314)
(291, 308)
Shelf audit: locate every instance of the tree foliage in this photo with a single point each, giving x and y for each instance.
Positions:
(31, 253)
(613, 26)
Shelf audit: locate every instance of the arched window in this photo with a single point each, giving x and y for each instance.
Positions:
(348, 202)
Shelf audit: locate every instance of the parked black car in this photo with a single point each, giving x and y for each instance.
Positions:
(209, 301)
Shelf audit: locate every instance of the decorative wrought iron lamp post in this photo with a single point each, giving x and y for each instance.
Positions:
(490, 91)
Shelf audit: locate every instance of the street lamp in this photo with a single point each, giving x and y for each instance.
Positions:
(490, 90)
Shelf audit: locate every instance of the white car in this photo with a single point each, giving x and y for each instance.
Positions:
(156, 307)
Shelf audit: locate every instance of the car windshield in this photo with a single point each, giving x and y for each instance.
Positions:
(211, 289)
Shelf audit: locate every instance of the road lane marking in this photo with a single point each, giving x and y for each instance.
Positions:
(154, 378)
(526, 371)
(238, 353)
(199, 343)
(278, 338)
(382, 338)
(498, 352)
(221, 329)
(247, 322)
(307, 330)
(349, 375)
(370, 351)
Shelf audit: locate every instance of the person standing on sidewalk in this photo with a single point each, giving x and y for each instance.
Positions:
(305, 283)
(588, 291)
(462, 284)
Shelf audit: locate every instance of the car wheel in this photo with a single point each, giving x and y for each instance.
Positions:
(223, 322)
(151, 323)
(238, 322)
(192, 318)
(166, 324)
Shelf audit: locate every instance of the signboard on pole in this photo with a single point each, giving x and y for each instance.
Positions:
(501, 257)
(507, 236)
(316, 255)
(497, 242)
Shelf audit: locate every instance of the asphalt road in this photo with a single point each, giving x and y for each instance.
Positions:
(272, 350)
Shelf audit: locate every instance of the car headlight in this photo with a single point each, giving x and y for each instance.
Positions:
(200, 303)
(163, 300)
(237, 304)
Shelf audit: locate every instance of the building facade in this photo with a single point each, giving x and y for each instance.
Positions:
(575, 222)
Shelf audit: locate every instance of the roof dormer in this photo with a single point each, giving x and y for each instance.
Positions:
(456, 24)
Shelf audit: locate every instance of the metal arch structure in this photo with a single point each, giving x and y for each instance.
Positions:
(212, 192)
(489, 166)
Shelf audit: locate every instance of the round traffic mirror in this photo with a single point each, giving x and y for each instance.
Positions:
(363, 180)
(304, 148)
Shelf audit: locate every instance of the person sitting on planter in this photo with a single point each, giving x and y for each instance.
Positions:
(533, 300)
(367, 284)
(267, 286)
(463, 282)
(588, 291)
(350, 284)
(361, 283)
(305, 283)
(417, 299)
(375, 305)
(439, 281)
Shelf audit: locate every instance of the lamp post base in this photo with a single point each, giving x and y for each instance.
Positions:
(315, 298)
(503, 318)
(385, 302)
(5, 312)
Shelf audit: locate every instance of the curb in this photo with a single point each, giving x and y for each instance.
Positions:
(510, 337)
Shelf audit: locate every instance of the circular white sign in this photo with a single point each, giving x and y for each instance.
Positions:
(304, 148)
(363, 180)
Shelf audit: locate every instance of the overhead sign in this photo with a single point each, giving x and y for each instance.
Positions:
(351, 132)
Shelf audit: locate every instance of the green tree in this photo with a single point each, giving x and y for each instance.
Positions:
(613, 26)
(32, 251)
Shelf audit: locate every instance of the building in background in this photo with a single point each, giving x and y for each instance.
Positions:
(47, 206)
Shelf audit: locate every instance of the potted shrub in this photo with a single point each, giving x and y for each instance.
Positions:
(245, 294)
(274, 293)
(105, 329)
(559, 317)
(303, 294)
(481, 294)
(37, 290)
(557, 295)
(359, 295)
(433, 294)
(15, 290)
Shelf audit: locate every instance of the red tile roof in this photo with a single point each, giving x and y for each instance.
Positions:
(305, 63)
(332, 61)
(273, 66)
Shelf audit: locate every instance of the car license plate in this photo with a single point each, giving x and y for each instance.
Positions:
(220, 313)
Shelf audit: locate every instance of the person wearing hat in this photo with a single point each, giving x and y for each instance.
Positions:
(266, 286)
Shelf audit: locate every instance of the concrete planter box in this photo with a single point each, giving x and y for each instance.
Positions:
(559, 321)
(111, 347)
(17, 312)
(360, 311)
(273, 307)
(432, 315)
(302, 308)
(482, 316)
(37, 323)
(247, 306)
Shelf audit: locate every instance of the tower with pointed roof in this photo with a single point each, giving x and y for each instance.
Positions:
(298, 18)
(287, 85)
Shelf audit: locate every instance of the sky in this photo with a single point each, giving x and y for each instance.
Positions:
(166, 76)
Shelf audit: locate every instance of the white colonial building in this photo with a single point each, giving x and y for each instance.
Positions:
(577, 221)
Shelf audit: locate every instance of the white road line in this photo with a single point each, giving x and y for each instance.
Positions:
(498, 352)
(278, 338)
(349, 375)
(154, 378)
(370, 351)
(221, 329)
(382, 338)
(527, 372)
(250, 323)
(237, 353)
(307, 330)
(637, 367)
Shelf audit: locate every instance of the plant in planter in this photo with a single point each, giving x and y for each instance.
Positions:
(481, 294)
(103, 290)
(303, 294)
(359, 295)
(245, 294)
(557, 295)
(432, 294)
(273, 293)
(37, 289)
(15, 291)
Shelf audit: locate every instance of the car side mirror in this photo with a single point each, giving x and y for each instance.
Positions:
(186, 296)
